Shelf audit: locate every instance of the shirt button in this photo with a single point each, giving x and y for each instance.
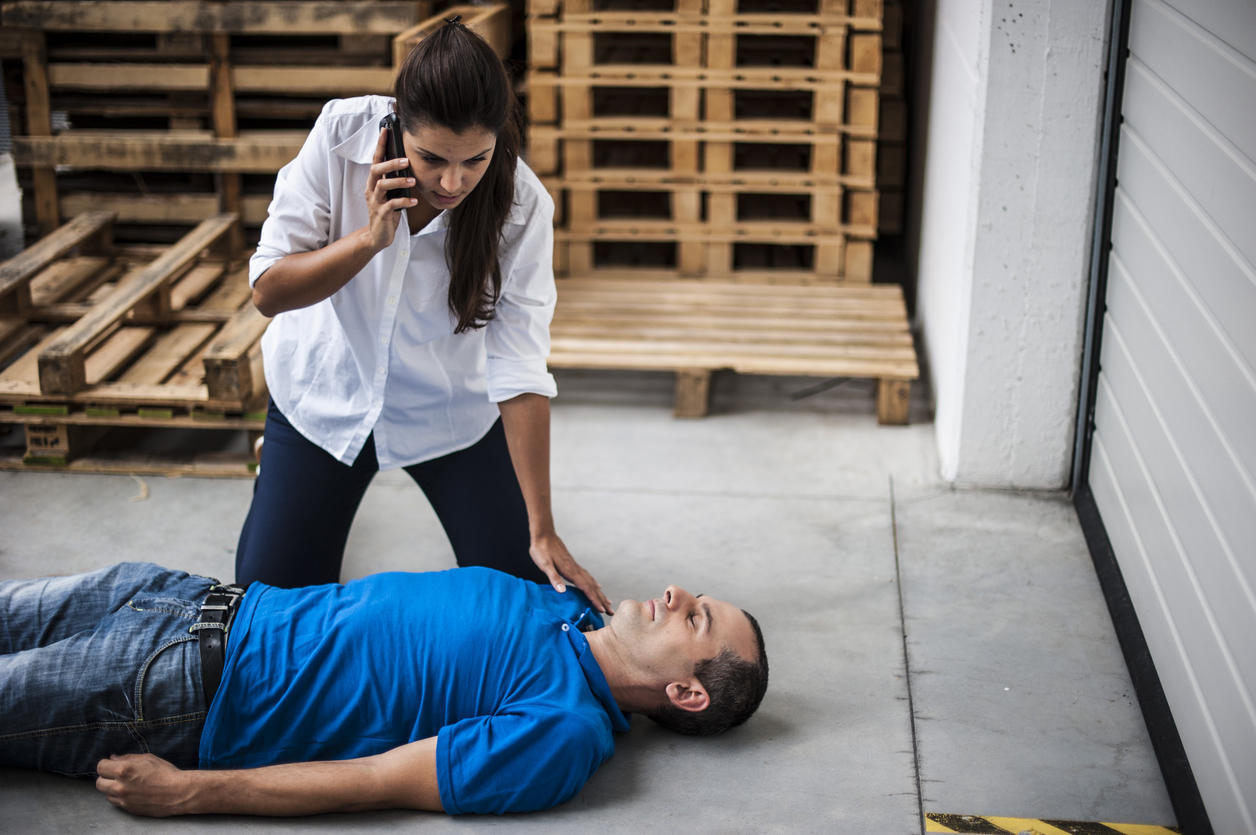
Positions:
(566, 627)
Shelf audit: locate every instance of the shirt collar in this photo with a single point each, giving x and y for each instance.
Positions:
(595, 677)
(360, 146)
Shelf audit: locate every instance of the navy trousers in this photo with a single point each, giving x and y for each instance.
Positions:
(304, 501)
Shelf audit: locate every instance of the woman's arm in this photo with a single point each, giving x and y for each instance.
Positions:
(305, 278)
(403, 778)
(526, 421)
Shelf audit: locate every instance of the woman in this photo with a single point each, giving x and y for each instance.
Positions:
(410, 331)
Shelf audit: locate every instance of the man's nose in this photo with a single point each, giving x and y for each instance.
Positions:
(676, 596)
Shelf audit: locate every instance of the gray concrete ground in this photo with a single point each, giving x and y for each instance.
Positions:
(931, 649)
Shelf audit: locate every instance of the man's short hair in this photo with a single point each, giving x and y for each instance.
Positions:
(735, 685)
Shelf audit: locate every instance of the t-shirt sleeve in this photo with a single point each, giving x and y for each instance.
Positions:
(518, 762)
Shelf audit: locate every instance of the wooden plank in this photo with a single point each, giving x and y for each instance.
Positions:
(62, 364)
(713, 329)
(69, 277)
(116, 351)
(313, 80)
(276, 18)
(228, 371)
(194, 283)
(806, 366)
(721, 20)
(186, 209)
(231, 293)
(167, 353)
(714, 289)
(716, 352)
(739, 78)
(645, 229)
(130, 76)
(263, 152)
(16, 273)
(39, 123)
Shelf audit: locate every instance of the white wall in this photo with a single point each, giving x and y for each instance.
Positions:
(1011, 142)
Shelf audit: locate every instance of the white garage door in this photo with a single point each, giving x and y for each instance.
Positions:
(1173, 457)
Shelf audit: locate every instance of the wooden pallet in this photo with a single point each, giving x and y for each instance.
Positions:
(223, 91)
(89, 323)
(702, 107)
(694, 327)
(96, 336)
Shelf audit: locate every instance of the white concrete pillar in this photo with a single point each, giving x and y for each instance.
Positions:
(1010, 140)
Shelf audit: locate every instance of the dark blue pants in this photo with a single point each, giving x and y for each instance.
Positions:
(304, 501)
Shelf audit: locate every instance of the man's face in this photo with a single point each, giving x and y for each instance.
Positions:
(668, 635)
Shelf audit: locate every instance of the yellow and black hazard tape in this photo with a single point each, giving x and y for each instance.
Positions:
(997, 825)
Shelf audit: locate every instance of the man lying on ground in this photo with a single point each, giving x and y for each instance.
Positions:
(464, 691)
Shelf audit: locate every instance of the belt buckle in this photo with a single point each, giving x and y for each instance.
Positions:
(223, 600)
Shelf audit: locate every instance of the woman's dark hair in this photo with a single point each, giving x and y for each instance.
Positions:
(454, 79)
(735, 685)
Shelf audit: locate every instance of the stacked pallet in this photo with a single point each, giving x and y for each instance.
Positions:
(168, 112)
(96, 335)
(714, 169)
(714, 138)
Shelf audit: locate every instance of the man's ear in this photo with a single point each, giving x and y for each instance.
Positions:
(691, 695)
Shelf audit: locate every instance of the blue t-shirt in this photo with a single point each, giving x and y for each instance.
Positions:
(496, 667)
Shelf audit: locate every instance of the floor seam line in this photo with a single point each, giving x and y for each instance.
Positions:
(902, 624)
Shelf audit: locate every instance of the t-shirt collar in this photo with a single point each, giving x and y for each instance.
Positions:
(594, 675)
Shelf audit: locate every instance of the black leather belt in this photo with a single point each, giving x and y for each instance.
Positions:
(211, 630)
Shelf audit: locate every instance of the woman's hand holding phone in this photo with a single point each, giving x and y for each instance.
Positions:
(387, 190)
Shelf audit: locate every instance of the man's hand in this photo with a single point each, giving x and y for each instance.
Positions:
(143, 784)
(552, 557)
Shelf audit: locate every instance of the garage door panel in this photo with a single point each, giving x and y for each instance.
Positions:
(1217, 272)
(1233, 22)
(1199, 68)
(1188, 470)
(1183, 685)
(1209, 361)
(1216, 175)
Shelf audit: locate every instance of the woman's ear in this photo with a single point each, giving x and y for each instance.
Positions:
(691, 696)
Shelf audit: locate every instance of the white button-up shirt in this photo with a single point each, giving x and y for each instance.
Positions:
(380, 354)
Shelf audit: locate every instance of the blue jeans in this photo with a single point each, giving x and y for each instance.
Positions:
(304, 501)
(98, 664)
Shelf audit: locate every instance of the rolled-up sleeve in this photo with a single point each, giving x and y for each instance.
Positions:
(518, 337)
(299, 216)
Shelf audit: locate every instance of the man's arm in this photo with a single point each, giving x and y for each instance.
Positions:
(403, 778)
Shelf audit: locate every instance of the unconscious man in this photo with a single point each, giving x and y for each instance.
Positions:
(459, 691)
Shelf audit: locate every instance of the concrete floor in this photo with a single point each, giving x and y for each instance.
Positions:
(930, 649)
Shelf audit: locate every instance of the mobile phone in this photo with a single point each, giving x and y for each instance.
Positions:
(395, 150)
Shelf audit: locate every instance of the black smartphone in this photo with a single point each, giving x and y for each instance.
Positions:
(395, 150)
